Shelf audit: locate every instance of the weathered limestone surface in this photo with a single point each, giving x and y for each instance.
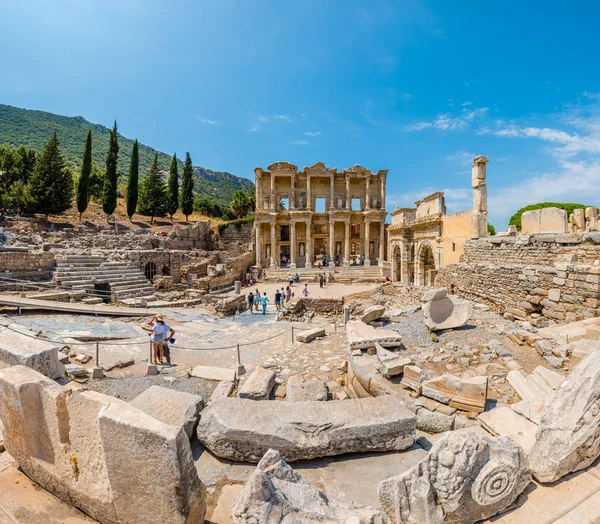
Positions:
(441, 312)
(17, 349)
(223, 390)
(413, 378)
(569, 435)
(372, 313)
(504, 421)
(175, 408)
(258, 385)
(469, 393)
(310, 334)
(533, 395)
(547, 220)
(98, 453)
(275, 493)
(214, 373)
(241, 429)
(297, 389)
(390, 364)
(466, 477)
(362, 336)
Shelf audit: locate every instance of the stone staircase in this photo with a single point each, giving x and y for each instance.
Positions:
(342, 275)
(103, 280)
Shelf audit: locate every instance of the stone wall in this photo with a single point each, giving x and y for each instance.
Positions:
(541, 278)
(456, 230)
(26, 265)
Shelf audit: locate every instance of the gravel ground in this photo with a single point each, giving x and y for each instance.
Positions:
(412, 330)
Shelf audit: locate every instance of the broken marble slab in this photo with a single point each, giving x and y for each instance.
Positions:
(309, 335)
(223, 390)
(504, 421)
(241, 429)
(175, 408)
(19, 349)
(551, 378)
(568, 438)
(413, 378)
(582, 348)
(529, 391)
(388, 363)
(258, 385)
(465, 478)
(468, 394)
(372, 313)
(442, 312)
(214, 373)
(363, 336)
(298, 389)
(276, 493)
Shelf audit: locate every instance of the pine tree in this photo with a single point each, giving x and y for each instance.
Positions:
(153, 193)
(83, 184)
(51, 184)
(132, 181)
(187, 188)
(109, 191)
(173, 188)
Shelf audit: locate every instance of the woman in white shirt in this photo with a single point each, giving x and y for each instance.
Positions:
(157, 334)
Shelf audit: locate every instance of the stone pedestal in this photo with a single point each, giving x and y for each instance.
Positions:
(97, 372)
(151, 370)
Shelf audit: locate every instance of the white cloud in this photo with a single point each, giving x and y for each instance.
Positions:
(253, 129)
(418, 126)
(449, 121)
(208, 121)
(300, 142)
(462, 158)
(465, 104)
(285, 118)
(262, 118)
(312, 133)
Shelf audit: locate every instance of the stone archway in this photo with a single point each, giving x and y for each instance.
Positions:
(150, 270)
(425, 265)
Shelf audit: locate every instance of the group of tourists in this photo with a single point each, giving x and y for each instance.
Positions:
(322, 280)
(161, 335)
(256, 300)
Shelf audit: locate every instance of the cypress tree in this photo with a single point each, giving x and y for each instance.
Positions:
(173, 188)
(132, 181)
(51, 183)
(187, 188)
(83, 185)
(153, 193)
(109, 191)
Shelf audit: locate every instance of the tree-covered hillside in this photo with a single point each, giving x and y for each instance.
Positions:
(32, 129)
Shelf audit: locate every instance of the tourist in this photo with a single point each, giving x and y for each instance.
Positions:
(283, 297)
(251, 301)
(156, 333)
(256, 299)
(305, 290)
(169, 333)
(296, 278)
(277, 299)
(288, 294)
(324, 280)
(362, 260)
(264, 301)
(320, 280)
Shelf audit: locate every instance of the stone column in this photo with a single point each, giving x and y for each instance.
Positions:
(273, 247)
(382, 191)
(381, 242)
(331, 240)
(293, 244)
(257, 245)
(367, 242)
(331, 192)
(404, 273)
(273, 205)
(348, 199)
(308, 249)
(259, 193)
(293, 192)
(368, 199)
(479, 220)
(347, 243)
(308, 194)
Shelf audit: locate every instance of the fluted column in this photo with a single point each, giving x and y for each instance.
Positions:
(273, 247)
(293, 192)
(382, 191)
(331, 240)
(273, 205)
(259, 192)
(367, 243)
(381, 242)
(331, 192)
(309, 248)
(293, 243)
(347, 243)
(308, 194)
(348, 199)
(368, 198)
(257, 245)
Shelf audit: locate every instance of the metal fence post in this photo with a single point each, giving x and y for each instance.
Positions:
(241, 370)
(292, 334)
(97, 353)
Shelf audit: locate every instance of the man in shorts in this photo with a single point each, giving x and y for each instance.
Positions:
(169, 334)
(277, 300)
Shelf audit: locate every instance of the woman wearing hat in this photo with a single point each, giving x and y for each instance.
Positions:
(157, 334)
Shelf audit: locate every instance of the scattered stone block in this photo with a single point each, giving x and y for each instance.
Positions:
(552, 378)
(413, 378)
(500, 349)
(433, 422)
(258, 385)
(466, 477)
(73, 370)
(468, 394)
(390, 364)
(175, 408)
(363, 336)
(277, 493)
(82, 358)
(555, 362)
(223, 390)
(529, 392)
(546, 220)
(582, 348)
(298, 389)
(63, 358)
(241, 429)
(214, 373)
(310, 335)
(372, 313)
(441, 312)
(17, 349)
(568, 438)
(503, 421)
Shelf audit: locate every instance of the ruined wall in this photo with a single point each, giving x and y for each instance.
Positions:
(541, 278)
(26, 265)
(456, 230)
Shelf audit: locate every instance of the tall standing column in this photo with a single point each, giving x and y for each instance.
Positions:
(273, 204)
(381, 242)
(308, 247)
(259, 192)
(382, 191)
(347, 243)
(293, 192)
(331, 241)
(479, 219)
(367, 243)
(308, 194)
(404, 273)
(348, 199)
(273, 246)
(368, 187)
(293, 243)
(332, 192)
(257, 245)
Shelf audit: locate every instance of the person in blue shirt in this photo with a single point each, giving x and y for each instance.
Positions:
(264, 301)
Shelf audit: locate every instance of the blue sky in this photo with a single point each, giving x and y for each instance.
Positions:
(417, 87)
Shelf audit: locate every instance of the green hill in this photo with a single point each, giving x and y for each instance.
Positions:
(29, 128)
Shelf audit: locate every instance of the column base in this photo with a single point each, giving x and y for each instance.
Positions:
(367, 262)
(346, 263)
(272, 266)
(292, 265)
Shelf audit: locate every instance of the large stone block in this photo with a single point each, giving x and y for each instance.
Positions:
(372, 313)
(258, 385)
(466, 477)
(175, 408)
(441, 312)
(241, 429)
(547, 220)
(275, 493)
(390, 364)
(298, 389)
(568, 438)
(309, 335)
(362, 336)
(468, 394)
(17, 349)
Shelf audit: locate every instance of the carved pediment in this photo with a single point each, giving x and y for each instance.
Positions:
(319, 169)
(282, 166)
